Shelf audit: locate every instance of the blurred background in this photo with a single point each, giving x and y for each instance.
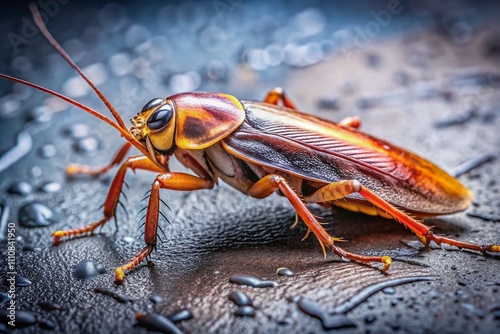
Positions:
(421, 74)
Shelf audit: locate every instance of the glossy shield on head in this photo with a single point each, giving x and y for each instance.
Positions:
(202, 119)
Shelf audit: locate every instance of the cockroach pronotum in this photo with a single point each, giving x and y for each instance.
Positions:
(264, 147)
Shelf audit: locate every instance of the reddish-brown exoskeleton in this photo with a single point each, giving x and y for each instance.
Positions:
(262, 147)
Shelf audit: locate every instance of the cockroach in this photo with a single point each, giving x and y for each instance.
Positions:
(260, 148)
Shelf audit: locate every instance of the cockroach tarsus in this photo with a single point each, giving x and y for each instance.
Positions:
(260, 148)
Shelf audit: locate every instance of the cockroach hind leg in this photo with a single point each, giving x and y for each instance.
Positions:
(386, 260)
(272, 182)
(138, 258)
(434, 241)
(365, 259)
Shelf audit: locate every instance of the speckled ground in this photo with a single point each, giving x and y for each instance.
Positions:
(429, 83)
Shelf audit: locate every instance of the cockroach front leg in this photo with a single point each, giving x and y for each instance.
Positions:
(272, 182)
(341, 189)
(172, 181)
(80, 169)
(112, 199)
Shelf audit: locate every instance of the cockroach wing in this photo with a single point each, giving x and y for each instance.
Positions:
(321, 151)
(205, 118)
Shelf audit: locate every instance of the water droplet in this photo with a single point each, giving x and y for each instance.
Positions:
(88, 269)
(76, 131)
(37, 215)
(370, 318)
(157, 322)
(252, 281)
(20, 188)
(285, 322)
(389, 291)
(284, 272)
(115, 295)
(477, 312)
(4, 297)
(245, 311)
(240, 298)
(180, 315)
(363, 294)
(129, 240)
(156, 298)
(331, 103)
(22, 281)
(46, 324)
(87, 145)
(49, 306)
(50, 187)
(47, 151)
(23, 318)
(315, 310)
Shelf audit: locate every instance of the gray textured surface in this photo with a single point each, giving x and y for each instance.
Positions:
(219, 233)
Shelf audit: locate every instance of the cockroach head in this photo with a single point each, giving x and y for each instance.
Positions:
(154, 125)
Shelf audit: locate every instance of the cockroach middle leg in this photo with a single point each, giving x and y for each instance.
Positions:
(272, 182)
(341, 189)
(277, 95)
(112, 199)
(73, 169)
(172, 181)
(352, 122)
